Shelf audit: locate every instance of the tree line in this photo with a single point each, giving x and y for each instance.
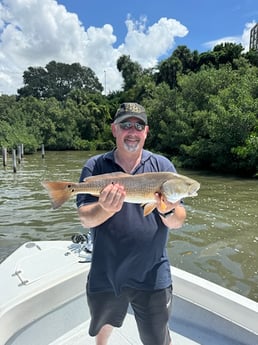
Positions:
(202, 108)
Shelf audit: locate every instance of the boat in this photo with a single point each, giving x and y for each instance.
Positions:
(43, 302)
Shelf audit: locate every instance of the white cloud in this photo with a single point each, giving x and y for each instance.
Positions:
(34, 32)
(146, 45)
(243, 39)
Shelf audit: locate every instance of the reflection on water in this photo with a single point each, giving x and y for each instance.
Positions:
(218, 242)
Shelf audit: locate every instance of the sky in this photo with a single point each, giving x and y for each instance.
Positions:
(96, 33)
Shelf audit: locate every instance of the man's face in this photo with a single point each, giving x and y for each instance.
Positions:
(130, 137)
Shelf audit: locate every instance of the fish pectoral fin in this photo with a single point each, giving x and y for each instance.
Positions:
(148, 208)
(163, 206)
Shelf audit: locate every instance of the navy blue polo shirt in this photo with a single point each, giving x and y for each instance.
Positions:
(129, 250)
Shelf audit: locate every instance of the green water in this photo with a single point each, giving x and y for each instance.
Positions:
(219, 240)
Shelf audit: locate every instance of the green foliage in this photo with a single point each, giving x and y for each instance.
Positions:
(203, 108)
(79, 123)
(227, 116)
(169, 70)
(130, 71)
(252, 57)
(13, 135)
(247, 155)
(57, 80)
(222, 54)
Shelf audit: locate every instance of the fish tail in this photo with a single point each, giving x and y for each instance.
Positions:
(59, 192)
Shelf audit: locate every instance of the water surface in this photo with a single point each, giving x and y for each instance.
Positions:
(219, 240)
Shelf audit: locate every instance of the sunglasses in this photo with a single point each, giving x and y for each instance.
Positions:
(128, 125)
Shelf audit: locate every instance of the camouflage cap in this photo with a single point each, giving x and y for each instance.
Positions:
(128, 110)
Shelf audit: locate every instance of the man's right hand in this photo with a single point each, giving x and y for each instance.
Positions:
(110, 201)
(112, 197)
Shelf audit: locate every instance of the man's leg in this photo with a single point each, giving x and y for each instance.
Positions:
(103, 335)
(152, 312)
(107, 311)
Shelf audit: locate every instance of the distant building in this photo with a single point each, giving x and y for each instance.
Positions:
(254, 38)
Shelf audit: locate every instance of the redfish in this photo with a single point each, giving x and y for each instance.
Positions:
(140, 188)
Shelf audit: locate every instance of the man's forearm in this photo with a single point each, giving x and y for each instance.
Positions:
(93, 215)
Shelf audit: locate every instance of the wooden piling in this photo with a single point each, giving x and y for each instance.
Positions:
(19, 153)
(42, 151)
(22, 150)
(4, 154)
(14, 161)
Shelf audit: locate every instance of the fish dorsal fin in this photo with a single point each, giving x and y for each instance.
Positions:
(108, 176)
(117, 174)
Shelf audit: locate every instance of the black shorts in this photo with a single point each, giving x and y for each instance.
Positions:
(152, 310)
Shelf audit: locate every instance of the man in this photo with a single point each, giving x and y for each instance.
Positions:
(129, 262)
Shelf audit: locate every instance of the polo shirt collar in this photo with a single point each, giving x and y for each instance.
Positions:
(111, 155)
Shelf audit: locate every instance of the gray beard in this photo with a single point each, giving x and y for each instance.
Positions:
(131, 148)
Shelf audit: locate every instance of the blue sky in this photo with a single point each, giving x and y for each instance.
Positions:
(95, 33)
(206, 20)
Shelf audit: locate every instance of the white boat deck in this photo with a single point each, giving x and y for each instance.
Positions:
(126, 335)
(189, 326)
(43, 302)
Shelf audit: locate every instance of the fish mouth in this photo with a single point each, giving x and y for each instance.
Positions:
(193, 189)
